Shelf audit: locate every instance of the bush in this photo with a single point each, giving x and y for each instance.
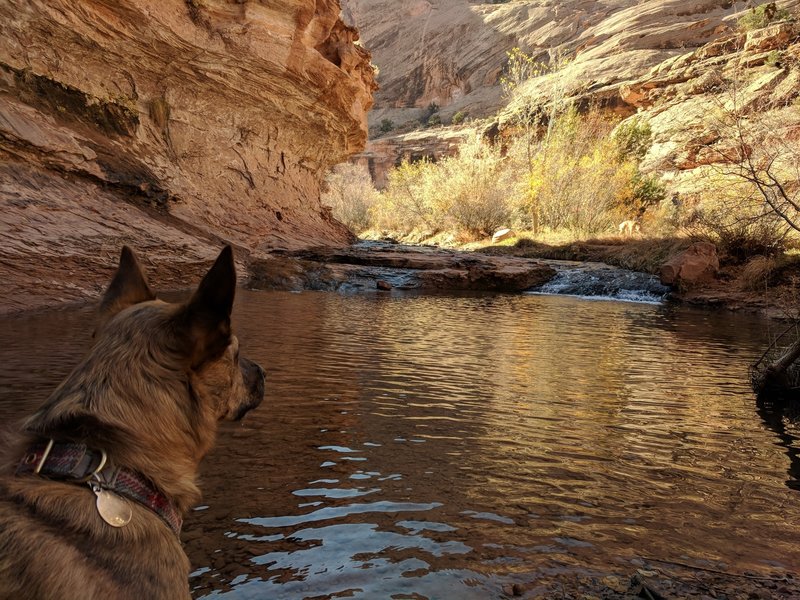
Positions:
(578, 180)
(761, 16)
(476, 192)
(409, 201)
(642, 192)
(386, 126)
(459, 118)
(465, 194)
(428, 113)
(349, 191)
(434, 120)
(733, 216)
(634, 138)
(757, 274)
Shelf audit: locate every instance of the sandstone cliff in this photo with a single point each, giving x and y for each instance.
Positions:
(452, 53)
(743, 85)
(169, 125)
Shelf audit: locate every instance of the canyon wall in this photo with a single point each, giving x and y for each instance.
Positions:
(172, 126)
(452, 53)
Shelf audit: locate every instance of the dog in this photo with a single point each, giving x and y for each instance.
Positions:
(628, 228)
(94, 489)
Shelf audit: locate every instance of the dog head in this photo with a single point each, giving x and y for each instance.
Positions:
(158, 378)
(195, 335)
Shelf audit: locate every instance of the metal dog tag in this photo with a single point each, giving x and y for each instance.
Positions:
(113, 509)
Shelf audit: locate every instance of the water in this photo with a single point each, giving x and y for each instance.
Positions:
(598, 281)
(441, 447)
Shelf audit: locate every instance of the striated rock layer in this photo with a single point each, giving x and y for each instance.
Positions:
(453, 52)
(171, 126)
(698, 105)
(617, 54)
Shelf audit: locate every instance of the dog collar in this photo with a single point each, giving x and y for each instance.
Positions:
(77, 463)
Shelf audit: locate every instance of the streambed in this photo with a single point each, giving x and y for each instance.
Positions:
(416, 446)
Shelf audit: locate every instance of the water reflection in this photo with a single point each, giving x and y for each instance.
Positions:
(782, 415)
(429, 447)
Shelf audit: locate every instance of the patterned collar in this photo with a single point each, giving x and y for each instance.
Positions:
(77, 463)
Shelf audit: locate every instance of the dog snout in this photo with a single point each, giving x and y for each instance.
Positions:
(254, 380)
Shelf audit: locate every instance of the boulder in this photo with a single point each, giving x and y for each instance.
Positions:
(490, 274)
(503, 234)
(770, 38)
(697, 264)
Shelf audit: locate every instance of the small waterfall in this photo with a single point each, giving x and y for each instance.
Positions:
(598, 281)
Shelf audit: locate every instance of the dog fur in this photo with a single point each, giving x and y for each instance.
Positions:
(150, 393)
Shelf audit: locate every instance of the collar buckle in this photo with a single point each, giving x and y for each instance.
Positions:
(46, 453)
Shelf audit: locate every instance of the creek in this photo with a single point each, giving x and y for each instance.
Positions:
(442, 446)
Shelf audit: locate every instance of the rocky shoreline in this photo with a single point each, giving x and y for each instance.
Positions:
(380, 267)
(730, 287)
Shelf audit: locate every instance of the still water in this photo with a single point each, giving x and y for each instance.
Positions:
(441, 447)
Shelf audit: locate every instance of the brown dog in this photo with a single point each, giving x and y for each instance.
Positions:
(92, 496)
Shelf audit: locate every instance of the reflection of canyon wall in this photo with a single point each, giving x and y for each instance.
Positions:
(169, 126)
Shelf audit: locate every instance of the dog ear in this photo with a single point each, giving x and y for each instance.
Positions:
(204, 323)
(128, 286)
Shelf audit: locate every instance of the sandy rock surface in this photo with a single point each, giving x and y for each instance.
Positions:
(373, 266)
(452, 52)
(168, 125)
(673, 63)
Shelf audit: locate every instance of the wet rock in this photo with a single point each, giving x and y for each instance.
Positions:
(425, 268)
(697, 264)
(515, 589)
(290, 274)
(495, 276)
(383, 285)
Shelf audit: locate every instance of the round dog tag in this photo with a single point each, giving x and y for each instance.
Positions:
(113, 509)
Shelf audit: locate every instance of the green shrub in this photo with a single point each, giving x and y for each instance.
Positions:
(634, 138)
(386, 126)
(459, 117)
(434, 120)
(429, 112)
(761, 16)
(773, 59)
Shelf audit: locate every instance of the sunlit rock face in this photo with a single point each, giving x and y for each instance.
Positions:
(674, 63)
(169, 125)
(452, 52)
(699, 104)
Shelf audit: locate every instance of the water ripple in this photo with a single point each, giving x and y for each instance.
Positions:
(498, 438)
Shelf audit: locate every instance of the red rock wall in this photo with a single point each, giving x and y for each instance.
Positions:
(169, 125)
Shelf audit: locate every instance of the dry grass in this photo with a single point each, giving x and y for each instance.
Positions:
(645, 254)
(756, 274)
